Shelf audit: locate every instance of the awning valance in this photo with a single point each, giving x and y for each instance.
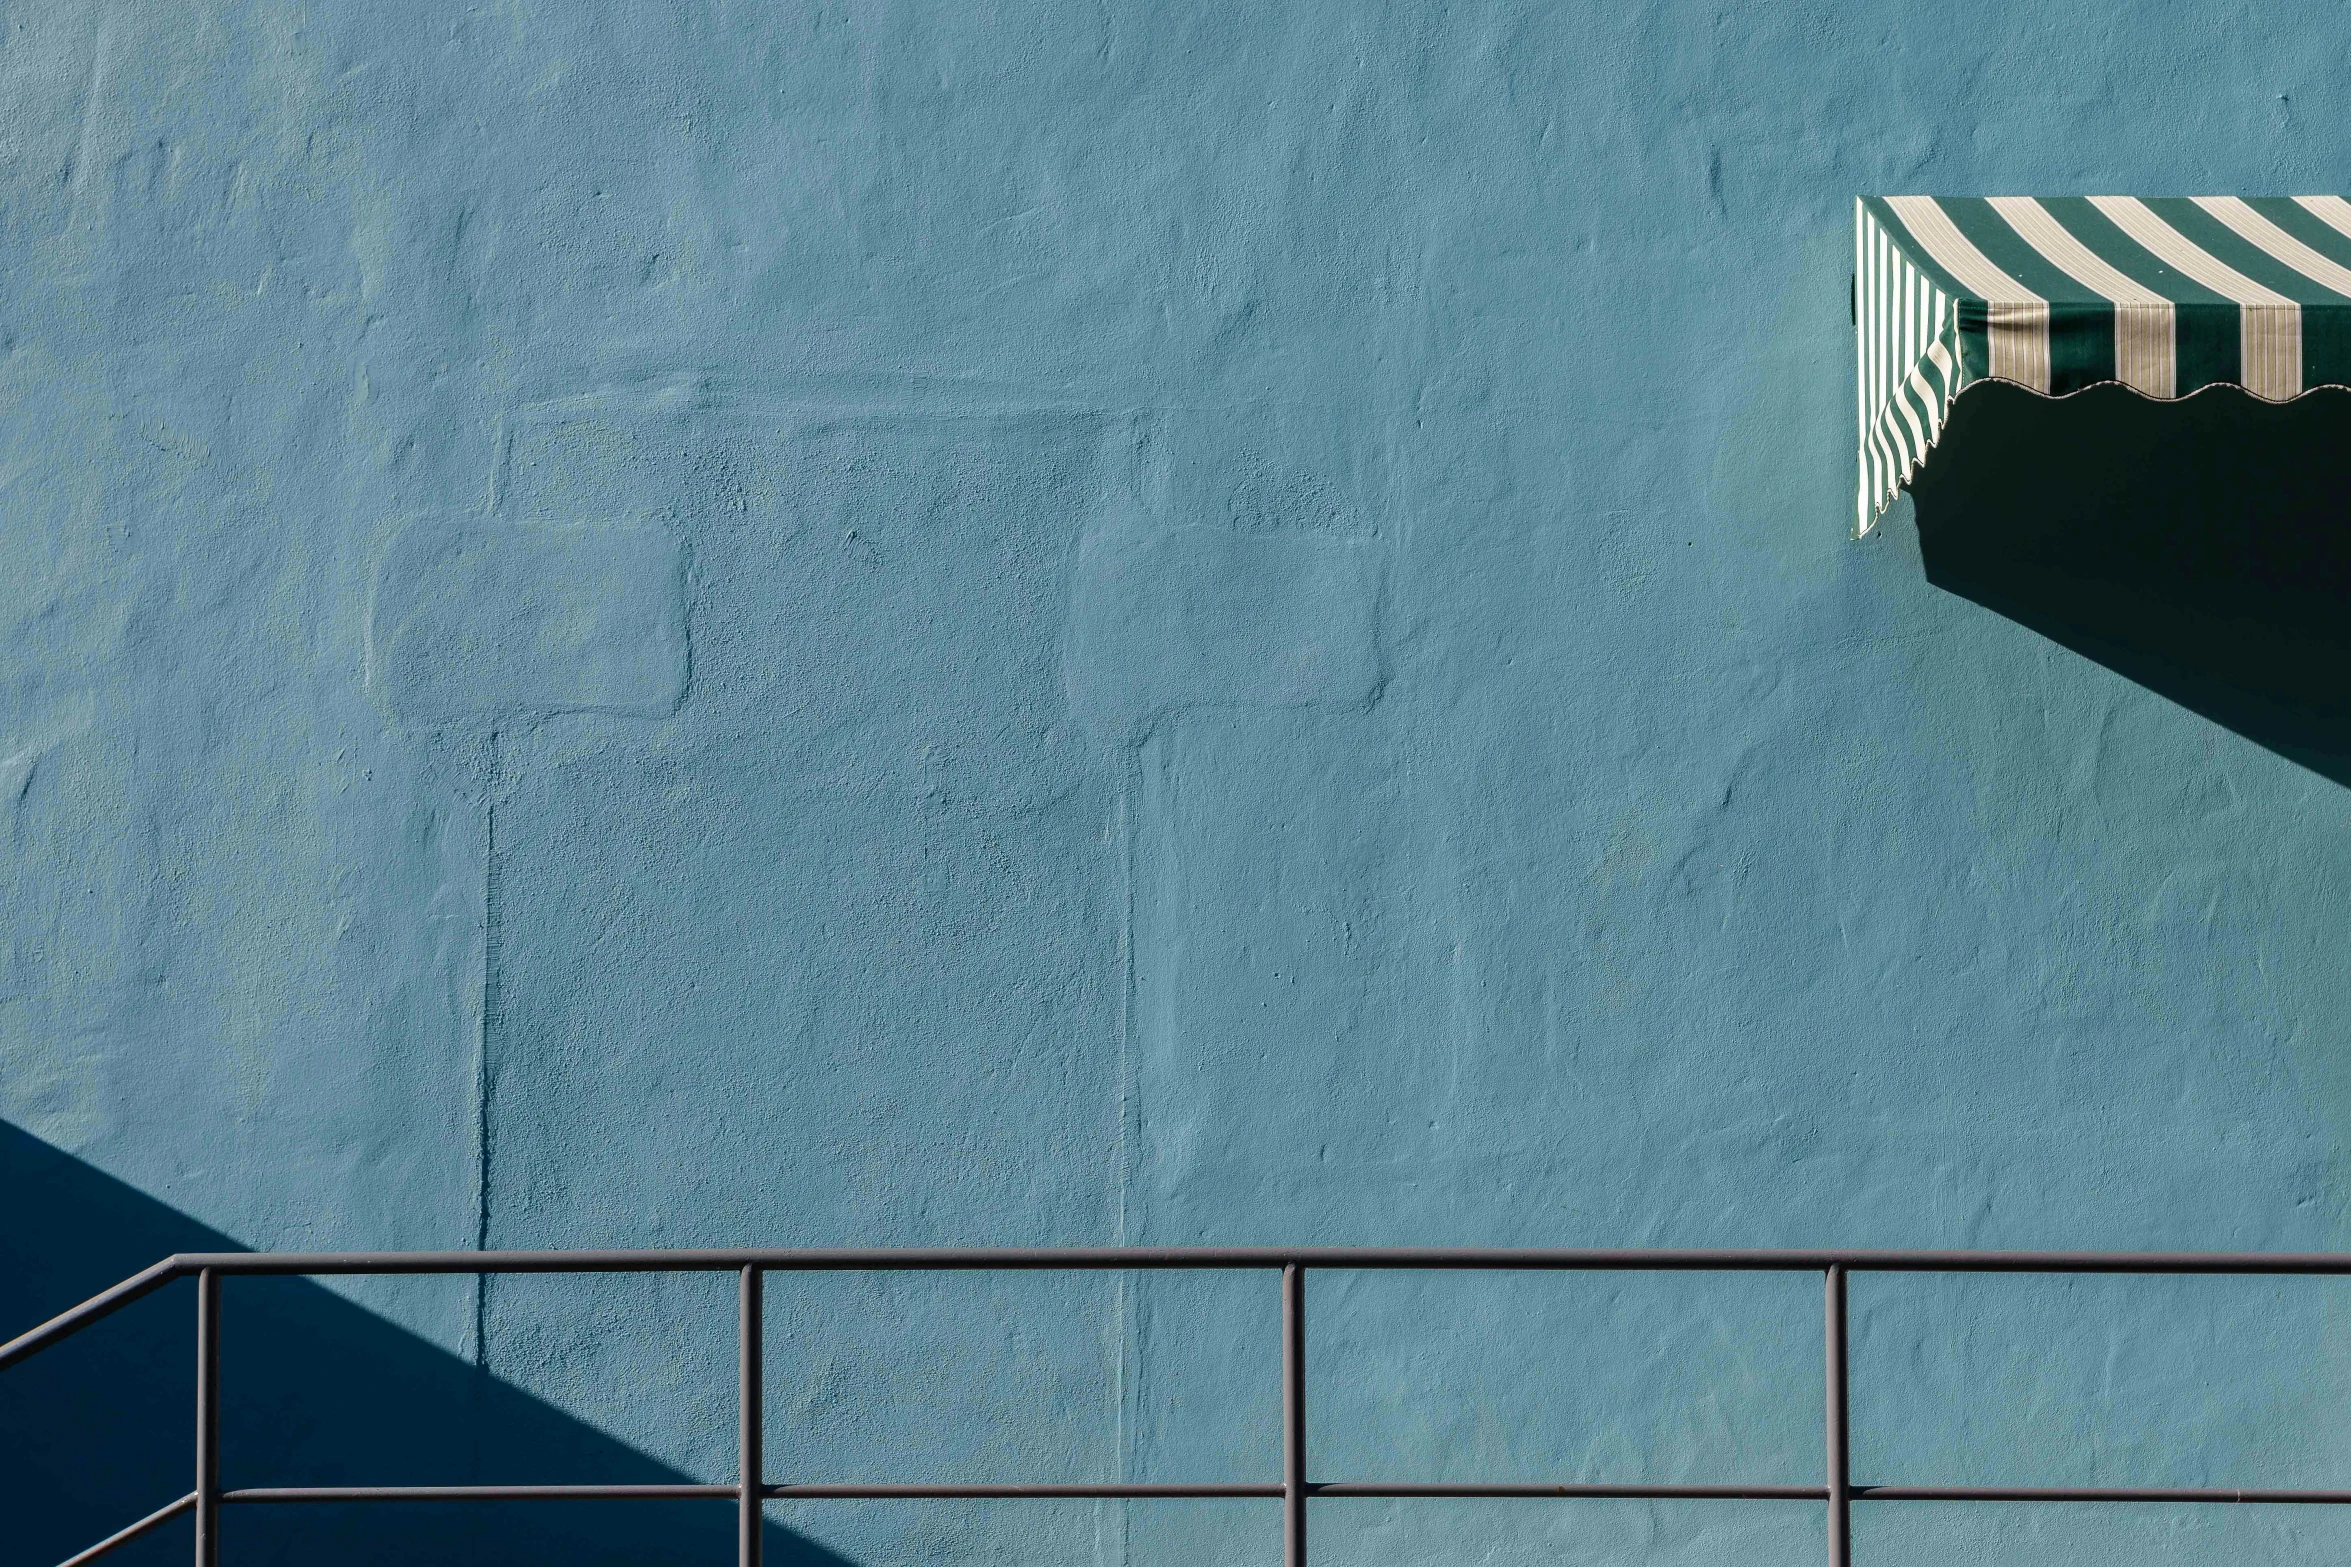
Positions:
(2167, 295)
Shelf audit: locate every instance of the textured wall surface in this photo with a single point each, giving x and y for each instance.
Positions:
(672, 623)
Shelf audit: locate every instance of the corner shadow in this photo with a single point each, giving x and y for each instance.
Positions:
(2201, 548)
(98, 1431)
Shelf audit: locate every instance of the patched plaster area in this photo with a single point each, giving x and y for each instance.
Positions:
(1208, 617)
(473, 616)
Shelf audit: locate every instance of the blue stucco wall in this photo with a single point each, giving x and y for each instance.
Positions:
(691, 623)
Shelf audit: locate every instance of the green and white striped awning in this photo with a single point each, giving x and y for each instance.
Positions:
(2167, 295)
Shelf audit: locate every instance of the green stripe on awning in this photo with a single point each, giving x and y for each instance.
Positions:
(2167, 295)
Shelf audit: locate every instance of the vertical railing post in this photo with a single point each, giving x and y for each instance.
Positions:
(751, 1389)
(207, 1418)
(1840, 1449)
(1293, 1415)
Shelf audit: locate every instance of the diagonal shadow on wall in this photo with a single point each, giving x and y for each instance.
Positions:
(2201, 548)
(98, 1431)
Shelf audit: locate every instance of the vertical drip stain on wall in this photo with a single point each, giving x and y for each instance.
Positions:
(485, 1043)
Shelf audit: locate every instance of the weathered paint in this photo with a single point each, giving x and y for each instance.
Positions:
(659, 623)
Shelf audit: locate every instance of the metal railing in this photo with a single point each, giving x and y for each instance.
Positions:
(1294, 1491)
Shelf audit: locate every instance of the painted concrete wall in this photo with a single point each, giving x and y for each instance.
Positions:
(698, 622)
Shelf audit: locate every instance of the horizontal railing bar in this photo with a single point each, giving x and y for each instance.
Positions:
(1392, 1489)
(1086, 1258)
(1536, 1489)
(481, 1493)
(689, 1493)
(2106, 1493)
(156, 1519)
(105, 1304)
(1014, 1493)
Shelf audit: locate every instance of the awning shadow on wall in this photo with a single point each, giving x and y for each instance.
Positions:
(2201, 548)
(98, 1430)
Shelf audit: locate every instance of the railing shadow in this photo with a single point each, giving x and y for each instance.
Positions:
(99, 1430)
(2201, 548)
